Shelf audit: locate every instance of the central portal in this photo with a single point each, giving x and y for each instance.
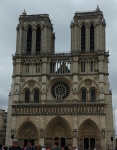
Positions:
(58, 127)
(89, 143)
(62, 142)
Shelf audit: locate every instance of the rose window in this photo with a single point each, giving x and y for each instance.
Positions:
(60, 90)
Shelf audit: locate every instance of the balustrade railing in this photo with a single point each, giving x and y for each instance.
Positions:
(56, 109)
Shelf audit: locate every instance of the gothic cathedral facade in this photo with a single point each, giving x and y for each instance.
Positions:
(61, 94)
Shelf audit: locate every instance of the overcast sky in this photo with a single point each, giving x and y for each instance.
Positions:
(61, 13)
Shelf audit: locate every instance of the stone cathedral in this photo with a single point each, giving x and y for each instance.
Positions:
(64, 95)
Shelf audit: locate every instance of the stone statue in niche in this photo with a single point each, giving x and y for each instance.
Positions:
(103, 133)
(101, 91)
(74, 133)
(42, 133)
(75, 90)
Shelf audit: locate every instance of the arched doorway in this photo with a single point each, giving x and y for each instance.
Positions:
(27, 131)
(58, 127)
(89, 135)
(62, 141)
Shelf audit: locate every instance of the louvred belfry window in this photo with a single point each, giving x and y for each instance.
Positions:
(92, 38)
(83, 39)
(29, 40)
(38, 40)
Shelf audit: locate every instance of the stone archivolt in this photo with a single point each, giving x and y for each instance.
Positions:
(28, 129)
(59, 127)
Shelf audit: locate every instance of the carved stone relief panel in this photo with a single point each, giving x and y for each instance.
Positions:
(88, 83)
(59, 131)
(31, 84)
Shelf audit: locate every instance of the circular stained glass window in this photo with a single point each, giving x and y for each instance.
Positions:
(60, 90)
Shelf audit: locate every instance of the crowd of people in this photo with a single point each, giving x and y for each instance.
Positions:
(29, 146)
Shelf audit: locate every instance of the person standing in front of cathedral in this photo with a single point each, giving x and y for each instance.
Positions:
(15, 145)
(56, 144)
(29, 146)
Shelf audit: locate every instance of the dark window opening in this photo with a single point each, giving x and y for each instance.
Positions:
(83, 95)
(82, 66)
(27, 96)
(38, 40)
(29, 40)
(89, 143)
(36, 96)
(83, 39)
(92, 38)
(62, 142)
(92, 143)
(91, 65)
(86, 143)
(52, 66)
(93, 95)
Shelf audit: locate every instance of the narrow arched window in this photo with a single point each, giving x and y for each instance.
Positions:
(38, 40)
(29, 40)
(93, 95)
(27, 96)
(82, 66)
(83, 39)
(36, 96)
(37, 67)
(92, 38)
(91, 66)
(27, 68)
(83, 95)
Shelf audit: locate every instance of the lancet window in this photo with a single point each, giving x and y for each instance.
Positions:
(83, 39)
(36, 96)
(92, 38)
(93, 95)
(37, 67)
(29, 40)
(91, 66)
(83, 95)
(38, 40)
(83, 66)
(27, 95)
(27, 68)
